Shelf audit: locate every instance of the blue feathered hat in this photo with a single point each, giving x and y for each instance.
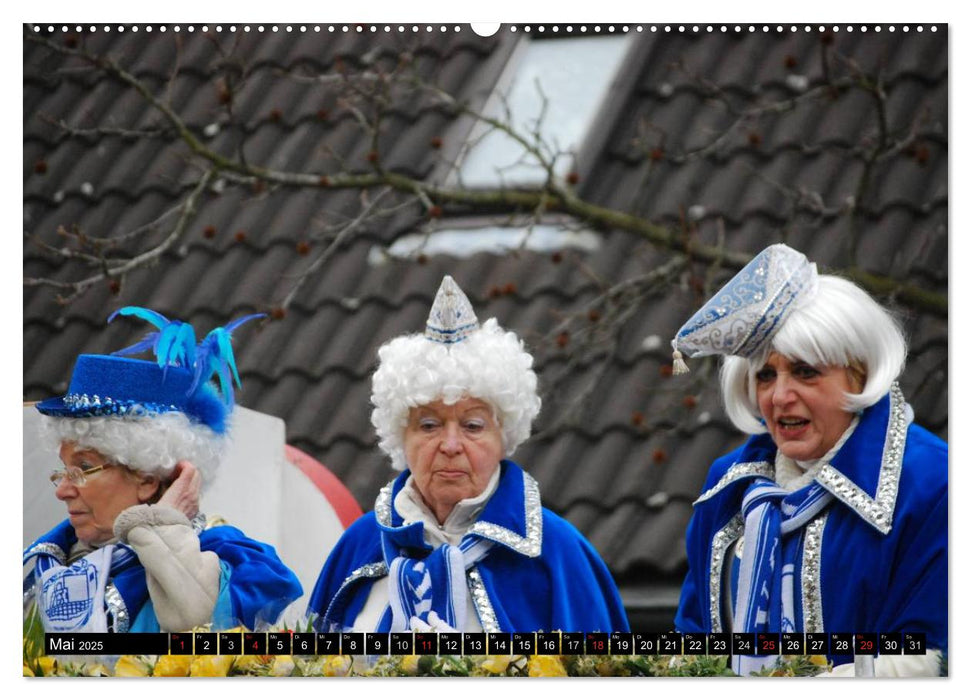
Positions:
(178, 380)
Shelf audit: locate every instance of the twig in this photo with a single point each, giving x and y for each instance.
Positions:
(78, 288)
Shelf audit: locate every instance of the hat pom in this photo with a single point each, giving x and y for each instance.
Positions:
(679, 366)
(206, 407)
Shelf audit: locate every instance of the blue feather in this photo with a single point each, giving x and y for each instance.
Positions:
(233, 325)
(153, 317)
(143, 345)
(174, 344)
(215, 356)
(186, 344)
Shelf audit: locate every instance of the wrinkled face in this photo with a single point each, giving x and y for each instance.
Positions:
(452, 451)
(92, 508)
(802, 405)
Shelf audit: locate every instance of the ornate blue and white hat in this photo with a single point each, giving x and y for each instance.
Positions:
(451, 319)
(113, 385)
(747, 312)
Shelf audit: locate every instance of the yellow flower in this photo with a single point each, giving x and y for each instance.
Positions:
(409, 665)
(252, 664)
(819, 660)
(337, 665)
(28, 671)
(211, 666)
(132, 667)
(281, 665)
(97, 670)
(496, 664)
(172, 665)
(47, 665)
(545, 666)
(605, 667)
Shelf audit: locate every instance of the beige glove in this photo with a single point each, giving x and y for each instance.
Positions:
(183, 581)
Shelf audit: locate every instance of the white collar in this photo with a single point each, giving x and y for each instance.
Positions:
(793, 474)
(412, 508)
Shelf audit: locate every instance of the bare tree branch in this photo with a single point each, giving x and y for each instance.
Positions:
(553, 198)
(119, 271)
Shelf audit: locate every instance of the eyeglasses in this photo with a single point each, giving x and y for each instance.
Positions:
(76, 475)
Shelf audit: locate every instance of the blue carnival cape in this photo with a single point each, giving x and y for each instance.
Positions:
(874, 560)
(541, 574)
(255, 585)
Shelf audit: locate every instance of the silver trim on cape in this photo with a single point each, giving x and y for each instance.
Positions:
(720, 543)
(877, 511)
(530, 545)
(118, 617)
(812, 599)
(736, 472)
(375, 570)
(480, 598)
(382, 505)
(48, 548)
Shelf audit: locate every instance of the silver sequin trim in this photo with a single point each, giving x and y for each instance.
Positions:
(483, 606)
(47, 548)
(532, 544)
(812, 600)
(737, 471)
(117, 610)
(198, 523)
(382, 506)
(375, 570)
(719, 545)
(877, 511)
(367, 571)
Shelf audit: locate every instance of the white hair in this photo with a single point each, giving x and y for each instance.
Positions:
(491, 365)
(840, 326)
(149, 445)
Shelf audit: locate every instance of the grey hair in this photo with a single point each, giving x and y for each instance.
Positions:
(840, 326)
(149, 445)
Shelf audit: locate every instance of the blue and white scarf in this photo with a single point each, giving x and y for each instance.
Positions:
(774, 519)
(71, 598)
(436, 583)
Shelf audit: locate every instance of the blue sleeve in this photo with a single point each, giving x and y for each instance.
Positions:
(584, 595)
(359, 545)
(260, 585)
(917, 599)
(691, 616)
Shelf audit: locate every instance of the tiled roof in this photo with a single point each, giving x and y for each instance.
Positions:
(621, 449)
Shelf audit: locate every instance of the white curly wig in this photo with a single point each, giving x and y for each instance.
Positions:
(147, 444)
(490, 364)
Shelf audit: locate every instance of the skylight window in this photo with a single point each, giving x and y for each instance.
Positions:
(498, 240)
(552, 87)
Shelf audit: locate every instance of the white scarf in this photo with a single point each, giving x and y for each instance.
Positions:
(72, 598)
(434, 588)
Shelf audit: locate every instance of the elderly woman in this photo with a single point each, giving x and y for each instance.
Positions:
(138, 440)
(833, 515)
(460, 541)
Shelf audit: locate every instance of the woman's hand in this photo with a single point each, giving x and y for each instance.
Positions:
(183, 492)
